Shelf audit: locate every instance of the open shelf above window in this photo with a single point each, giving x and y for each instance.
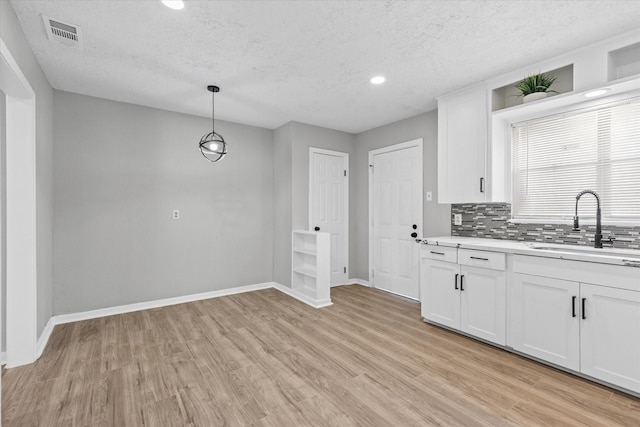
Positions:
(508, 96)
(624, 62)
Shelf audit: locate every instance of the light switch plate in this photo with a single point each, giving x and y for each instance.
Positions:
(457, 219)
(429, 196)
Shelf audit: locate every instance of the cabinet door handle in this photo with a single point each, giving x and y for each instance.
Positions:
(482, 185)
(481, 259)
(455, 282)
(573, 306)
(584, 314)
(461, 282)
(437, 253)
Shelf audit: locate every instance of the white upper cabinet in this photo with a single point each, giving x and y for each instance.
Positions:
(462, 146)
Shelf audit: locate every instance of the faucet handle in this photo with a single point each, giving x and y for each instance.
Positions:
(609, 241)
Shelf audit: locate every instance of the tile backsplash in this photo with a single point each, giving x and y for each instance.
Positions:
(491, 220)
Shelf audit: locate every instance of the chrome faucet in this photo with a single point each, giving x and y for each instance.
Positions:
(576, 223)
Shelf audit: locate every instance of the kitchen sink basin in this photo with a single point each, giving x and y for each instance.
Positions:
(626, 256)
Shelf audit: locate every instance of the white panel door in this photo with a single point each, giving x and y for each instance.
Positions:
(544, 318)
(440, 292)
(328, 211)
(483, 303)
(610, 335)
(397, 213)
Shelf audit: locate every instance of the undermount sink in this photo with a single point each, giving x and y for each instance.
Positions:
(631, 257)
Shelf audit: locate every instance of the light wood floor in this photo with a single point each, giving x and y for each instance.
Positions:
(265, 359)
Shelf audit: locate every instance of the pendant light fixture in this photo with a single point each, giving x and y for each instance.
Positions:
(212, 145)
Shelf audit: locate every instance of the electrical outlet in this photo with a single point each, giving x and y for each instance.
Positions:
(429, 196)
(457, 219)
(176, 214)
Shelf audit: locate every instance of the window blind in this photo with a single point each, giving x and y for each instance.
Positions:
(556, 157)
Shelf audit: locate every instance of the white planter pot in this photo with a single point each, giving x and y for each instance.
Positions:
(534, 97)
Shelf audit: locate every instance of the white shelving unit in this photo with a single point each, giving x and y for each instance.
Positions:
(310, 267)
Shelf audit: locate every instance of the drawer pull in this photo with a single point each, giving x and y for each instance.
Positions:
(437, 253)
(481, 259)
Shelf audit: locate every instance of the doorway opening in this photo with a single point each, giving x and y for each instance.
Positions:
(19, 174)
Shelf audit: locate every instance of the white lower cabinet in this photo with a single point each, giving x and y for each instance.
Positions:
(544, 318)
(554, 316)
(440, 292)
(467, 298)
(483, 304)
(587, 328)
(610, 335)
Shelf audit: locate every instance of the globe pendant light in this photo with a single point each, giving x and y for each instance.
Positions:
(212, 145)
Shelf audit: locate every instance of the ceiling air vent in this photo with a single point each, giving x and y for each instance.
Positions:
(70, 35)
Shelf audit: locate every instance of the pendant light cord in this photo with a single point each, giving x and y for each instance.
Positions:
(213, 112)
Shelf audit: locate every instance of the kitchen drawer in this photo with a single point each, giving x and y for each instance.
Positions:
(614, 276)
(440, 253)
(483, 259)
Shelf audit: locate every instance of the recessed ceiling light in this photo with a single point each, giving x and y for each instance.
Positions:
(174, 4)
(378, 80)
(597, 92)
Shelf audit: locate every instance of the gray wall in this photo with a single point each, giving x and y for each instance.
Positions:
(114, 240)
(12, 35)
(291, 181)
(282, 187)
(120, 170)
(437, 220)
(291, 162)
(3, 221)
(304, 137)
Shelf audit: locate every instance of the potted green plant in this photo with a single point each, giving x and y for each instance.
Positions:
(536, 86)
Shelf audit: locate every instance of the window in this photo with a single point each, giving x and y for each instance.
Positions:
(556, 157)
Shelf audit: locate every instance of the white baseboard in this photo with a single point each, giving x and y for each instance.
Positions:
(302, 297)
(3, 358)
(360, 282)
(128, 308)
(44, 337)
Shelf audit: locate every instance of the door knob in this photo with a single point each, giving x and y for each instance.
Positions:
(414, 226)
(317, 228)
(414, 234)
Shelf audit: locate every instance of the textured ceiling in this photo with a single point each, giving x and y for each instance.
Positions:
(307, 61)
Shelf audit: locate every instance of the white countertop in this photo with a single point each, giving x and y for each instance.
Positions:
(627, 257)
